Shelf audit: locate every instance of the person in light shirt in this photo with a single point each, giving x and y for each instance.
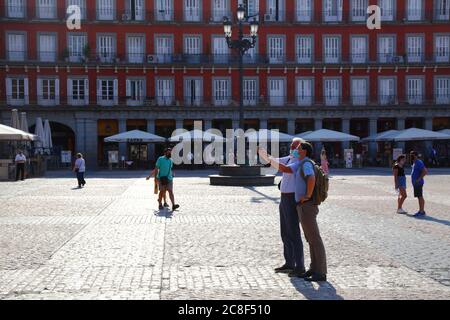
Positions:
(20, 165)
(289, 221)
(80, 168)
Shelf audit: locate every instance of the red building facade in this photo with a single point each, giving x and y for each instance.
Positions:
(160, 65)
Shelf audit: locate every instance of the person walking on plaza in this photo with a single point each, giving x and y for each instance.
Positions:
(80, 169)
(20, 165)
(153, 174)
(419, 171)
(164, 174)
(289, 223)
(400, 182)
(324, 162)
(307, 209)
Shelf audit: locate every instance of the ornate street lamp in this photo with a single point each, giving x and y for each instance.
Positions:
(242, 45)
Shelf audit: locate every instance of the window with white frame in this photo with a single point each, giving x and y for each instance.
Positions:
(193, 48)
(16, 46)
(192, 10)
(359, 89)
(275, 10)
(220, 50)
(193, 88)
(386, 49)
(277, 91)
(332, 49)
(442, 48)
(164, 10)
(164, 49)
(304, 48)
(106, 48)
(250, 91)
(46, 9)
(251, 9)
(414, 10)
(276, 49)
(165, 94)
(387, 9)
(304, 91)
(415, 51)
(221, 92)
(135, 48)
(107, 92)
(442, 90)
(442, 10)
(76, 45)
(414, 90)
(332, 10)
(17, 91)
(220, 9)
(15, 8)
(332, 91)
(47, 47)
(387, 91)
(134, 10)
(304, 10)
(106, 9)
(135, 91)
(78, 91)
(48, 91)
(359, 49)
(81, 4)
(359, 10)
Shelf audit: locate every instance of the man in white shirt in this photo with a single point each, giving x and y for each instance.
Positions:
(80, 168)
(20, 165)
(289, 222)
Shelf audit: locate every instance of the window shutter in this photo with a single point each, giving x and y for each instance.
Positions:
(142, 91)
(39, 92)
(128, 89)
(116, 92)
(57, 93)
(99, 91)
(86, 91)
(26, 91)
(69, 91)
(339, 4)
(8, 89)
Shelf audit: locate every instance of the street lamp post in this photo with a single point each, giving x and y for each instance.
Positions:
(242, 46)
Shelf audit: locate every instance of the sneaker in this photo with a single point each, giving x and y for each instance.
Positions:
(166, 205)
(317, 278)
(175, 207)
(284, 269)
(297, 273)
(401, 211)
(419, 214)
(161, 207)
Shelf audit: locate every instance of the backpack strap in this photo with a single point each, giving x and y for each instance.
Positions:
(303, 163)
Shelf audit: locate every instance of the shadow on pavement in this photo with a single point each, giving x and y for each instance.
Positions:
(165, 213)
(263, 196)
(431, 219)
(325, 291)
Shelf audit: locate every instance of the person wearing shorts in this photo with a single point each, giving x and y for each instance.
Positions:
(400, 182)
(164, 174)
(419, 171)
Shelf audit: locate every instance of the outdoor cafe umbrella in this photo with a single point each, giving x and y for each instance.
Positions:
(382, 136)
(265, 135)
(11, 134)
(325, 135)
(24, 122)
(196, 135)
(416, 134)
(48, 143)
(445, 131)
(39, 132)
(135, 136)
(301, 135)
(15, 122)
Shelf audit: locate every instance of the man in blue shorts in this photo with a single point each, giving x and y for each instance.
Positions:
(419, 171)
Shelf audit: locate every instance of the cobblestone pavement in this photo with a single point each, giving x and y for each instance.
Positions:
(109, 241)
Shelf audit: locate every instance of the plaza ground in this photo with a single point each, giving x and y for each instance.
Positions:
(110, 241)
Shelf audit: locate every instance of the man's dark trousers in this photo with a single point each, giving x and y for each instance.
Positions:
(290, 232)
(20, 171)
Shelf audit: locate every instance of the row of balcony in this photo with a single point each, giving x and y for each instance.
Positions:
(227, 101)
(416, 58)
(214, 16)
